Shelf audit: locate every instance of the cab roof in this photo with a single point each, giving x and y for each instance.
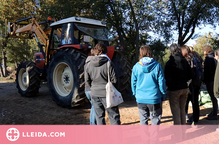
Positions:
(79, 20)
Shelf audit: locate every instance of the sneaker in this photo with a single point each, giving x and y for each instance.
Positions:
(212, 118)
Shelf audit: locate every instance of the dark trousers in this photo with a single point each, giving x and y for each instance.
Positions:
(152, 110)
(99, 104)
(210, 89)
(193, 97)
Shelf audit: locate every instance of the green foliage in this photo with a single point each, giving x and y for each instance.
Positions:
(11, 10)
(207, 39)
(19, 50)
(159, 51)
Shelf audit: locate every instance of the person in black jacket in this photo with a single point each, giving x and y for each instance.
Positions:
(209, 72)
(96, 76)
(195, 61)
(177, 74)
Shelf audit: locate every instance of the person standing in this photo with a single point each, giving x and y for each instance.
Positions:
(216, 78)
(87, 90)
(195, 62)
(177, 74)
(209, 72)
(148, 86)
(96, 76)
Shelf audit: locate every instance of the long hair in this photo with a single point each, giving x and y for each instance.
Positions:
(145, 51)
(186, 52)
(186, 48)
(174, 48)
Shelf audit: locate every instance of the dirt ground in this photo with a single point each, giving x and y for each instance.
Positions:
(15, 109)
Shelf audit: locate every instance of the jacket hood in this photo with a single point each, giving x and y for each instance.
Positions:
(211, 54)
(148, 64)
(89, 58)
(177, 57)
(98, 61)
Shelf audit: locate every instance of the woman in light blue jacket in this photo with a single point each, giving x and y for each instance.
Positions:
(148, 87)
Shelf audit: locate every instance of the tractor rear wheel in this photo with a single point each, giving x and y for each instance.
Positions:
(66, 77)
(123, 69)
(28, 78)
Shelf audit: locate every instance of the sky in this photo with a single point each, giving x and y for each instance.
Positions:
(199, 31)
(202, 31)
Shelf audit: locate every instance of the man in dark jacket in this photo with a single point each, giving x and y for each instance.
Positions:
(209, 72)
(96, 76)
(177, 74)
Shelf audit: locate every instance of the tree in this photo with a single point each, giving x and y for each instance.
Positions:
(12, 10)
(131, 21)
(60, 9)
(159, 51)
(185, 16)
(3, 61)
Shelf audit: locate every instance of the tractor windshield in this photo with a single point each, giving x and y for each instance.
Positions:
(97, 32)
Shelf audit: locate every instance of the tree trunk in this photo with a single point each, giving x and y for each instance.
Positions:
(137, 31)
(4, 58)
(1, 71)
(5, 73)
(117, 24)
(137, 44)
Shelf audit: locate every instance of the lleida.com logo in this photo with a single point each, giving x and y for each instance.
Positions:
(12, 134)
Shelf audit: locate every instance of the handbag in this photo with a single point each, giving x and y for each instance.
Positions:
(113, 96)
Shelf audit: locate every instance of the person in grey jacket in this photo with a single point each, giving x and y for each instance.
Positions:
(96, 76)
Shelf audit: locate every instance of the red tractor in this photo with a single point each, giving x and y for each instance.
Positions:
(67, 43)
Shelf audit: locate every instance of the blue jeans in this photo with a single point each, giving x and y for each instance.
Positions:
(92, 112)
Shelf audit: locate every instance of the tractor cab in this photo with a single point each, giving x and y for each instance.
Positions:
(80, 33)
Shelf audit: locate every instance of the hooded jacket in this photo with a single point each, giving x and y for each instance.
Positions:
(148, 83)
(177, 72)
(96, 75)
